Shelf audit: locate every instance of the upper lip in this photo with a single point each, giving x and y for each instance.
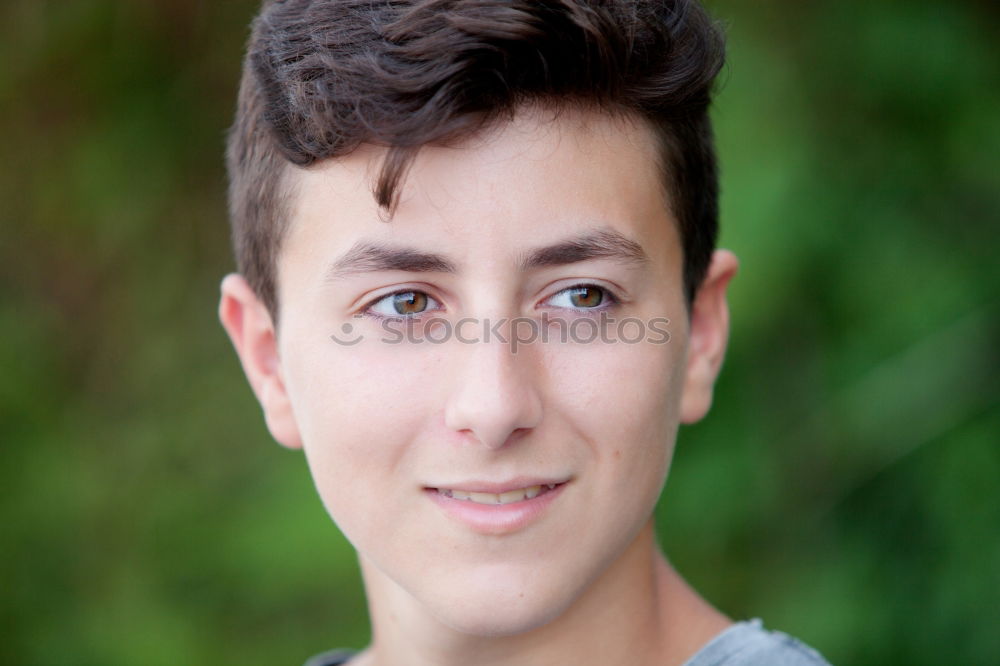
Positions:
(473, 486)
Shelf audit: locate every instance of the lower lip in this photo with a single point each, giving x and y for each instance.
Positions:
(495, 518)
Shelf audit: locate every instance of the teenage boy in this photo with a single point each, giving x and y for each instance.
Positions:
(415, 184)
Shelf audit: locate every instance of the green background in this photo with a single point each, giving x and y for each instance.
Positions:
(844, 487)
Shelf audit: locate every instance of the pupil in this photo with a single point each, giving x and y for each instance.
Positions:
(586, 297)
(409, 302)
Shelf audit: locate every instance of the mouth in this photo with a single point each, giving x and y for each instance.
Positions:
(496, 509)
(507, 497)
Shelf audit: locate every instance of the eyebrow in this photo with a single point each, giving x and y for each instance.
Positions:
(603, 244)
(368, 257)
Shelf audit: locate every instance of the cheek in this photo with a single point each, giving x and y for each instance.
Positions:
(623, 400)
(359, 410)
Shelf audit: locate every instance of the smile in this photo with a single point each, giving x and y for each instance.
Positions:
(509, 497)
(497, 508)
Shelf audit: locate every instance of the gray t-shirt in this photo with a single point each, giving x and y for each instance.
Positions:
(742, 644)
(750, 644)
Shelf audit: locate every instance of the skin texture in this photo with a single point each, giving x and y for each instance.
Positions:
(584, 582)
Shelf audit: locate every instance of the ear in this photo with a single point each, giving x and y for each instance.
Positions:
(249, 325)
(708, 335)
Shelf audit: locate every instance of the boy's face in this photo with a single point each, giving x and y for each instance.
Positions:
(391, 427)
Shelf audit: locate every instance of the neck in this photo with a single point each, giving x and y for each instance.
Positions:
(639, 611)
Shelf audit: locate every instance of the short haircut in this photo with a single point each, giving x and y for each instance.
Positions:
(322, 77)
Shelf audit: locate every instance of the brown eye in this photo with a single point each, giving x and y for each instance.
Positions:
(409, 302)
(586, 297)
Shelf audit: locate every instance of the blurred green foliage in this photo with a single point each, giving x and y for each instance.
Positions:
(844, 487)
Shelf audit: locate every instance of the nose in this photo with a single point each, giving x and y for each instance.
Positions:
(495, 396)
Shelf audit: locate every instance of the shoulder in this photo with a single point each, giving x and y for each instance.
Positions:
(749, 644)
(330, 658)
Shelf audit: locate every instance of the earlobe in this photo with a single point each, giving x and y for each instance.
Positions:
(708, 336)
(251, 330)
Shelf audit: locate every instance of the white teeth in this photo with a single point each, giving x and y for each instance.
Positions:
(508, 497)
(511, 496)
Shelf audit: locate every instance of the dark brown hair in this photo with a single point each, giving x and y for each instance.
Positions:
(321, 77)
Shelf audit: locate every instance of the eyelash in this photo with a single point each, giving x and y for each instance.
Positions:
(610, 300)
(367, 310)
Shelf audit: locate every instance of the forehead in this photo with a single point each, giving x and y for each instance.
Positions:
(539, 178)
